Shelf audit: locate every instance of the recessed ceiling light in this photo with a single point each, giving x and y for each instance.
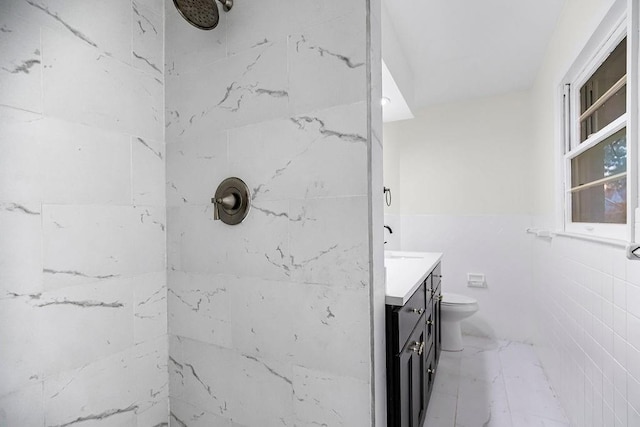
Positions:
(384, 101)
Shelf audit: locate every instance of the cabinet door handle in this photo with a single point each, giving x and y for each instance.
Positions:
(429, 322)
(419, 311)
(431, 371)
(417, 347)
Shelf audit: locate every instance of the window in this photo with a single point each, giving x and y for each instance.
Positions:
(596, 122)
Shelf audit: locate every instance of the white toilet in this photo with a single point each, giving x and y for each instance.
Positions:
(454, 309)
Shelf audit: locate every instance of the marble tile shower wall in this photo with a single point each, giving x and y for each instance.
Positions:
(269, 320)
(589, 314)
(82, 214)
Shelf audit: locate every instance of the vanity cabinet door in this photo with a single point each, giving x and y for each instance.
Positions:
(437, 330)
(413, 368)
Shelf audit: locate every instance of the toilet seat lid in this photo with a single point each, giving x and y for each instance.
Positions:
(449, 298)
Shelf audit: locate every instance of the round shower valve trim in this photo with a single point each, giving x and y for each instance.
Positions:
(232, 201)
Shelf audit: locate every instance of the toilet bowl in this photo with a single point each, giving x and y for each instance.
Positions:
(454, 309)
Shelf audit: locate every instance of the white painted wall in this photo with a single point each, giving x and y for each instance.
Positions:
(463, 175)
(588, 293)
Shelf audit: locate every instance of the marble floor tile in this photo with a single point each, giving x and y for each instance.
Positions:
(493, 383)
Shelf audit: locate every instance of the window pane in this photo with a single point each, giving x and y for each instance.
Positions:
(607, 158)
(606, 203)
(610, 72)
(613, 108)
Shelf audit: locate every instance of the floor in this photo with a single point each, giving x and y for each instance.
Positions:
(493, 383)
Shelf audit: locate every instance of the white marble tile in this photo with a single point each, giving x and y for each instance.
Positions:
(442, 409)
(83, 244)
(480, 401)
(184, 414)
(105, 93)
(239, 387)
(208, 246)
(155, 6)
(301, 324)
(247, 29)
(535, 399)
(23, 407)
(288, 158)
(149, 306)
(84, 165)
(104, 27)
(148, 371)
(20, 270)
(119, 390)
(20, 361)
(323, 398)
(187, 47)
(148, 38)
(199, 307)
(20, 177)
(99, 314)
(328, 247)
(493, 383)
(308, 13)
(20, 61)
(195, 167)
(111, 390)
(148, 172)
(327, 64)
(246, 88)
(528, 420)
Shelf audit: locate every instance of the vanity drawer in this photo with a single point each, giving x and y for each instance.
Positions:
(407, 316)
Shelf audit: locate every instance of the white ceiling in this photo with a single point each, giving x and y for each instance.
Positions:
(461, 49)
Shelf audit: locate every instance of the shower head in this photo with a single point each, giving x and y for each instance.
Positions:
(202, 14)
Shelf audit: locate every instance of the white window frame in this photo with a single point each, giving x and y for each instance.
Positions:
(598, 49)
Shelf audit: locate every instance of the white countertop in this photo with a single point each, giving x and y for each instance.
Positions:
(405, 273)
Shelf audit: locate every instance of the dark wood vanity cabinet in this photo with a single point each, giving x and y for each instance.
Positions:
(413, 348)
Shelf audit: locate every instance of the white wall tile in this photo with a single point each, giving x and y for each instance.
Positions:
(323, 398)
(23, 408)
(245, 88)
(119, 388)
(97, 25)
(20, 270)
(20, 62)
(188, 48)
(196, 165)
(150, 307)
(20, 178)
(297, 167)
(84, 165)
(82, 244)
(148, 172)
(328, 64)
(105, 92)
(148, 38)
(199, 307)
(328, 247)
